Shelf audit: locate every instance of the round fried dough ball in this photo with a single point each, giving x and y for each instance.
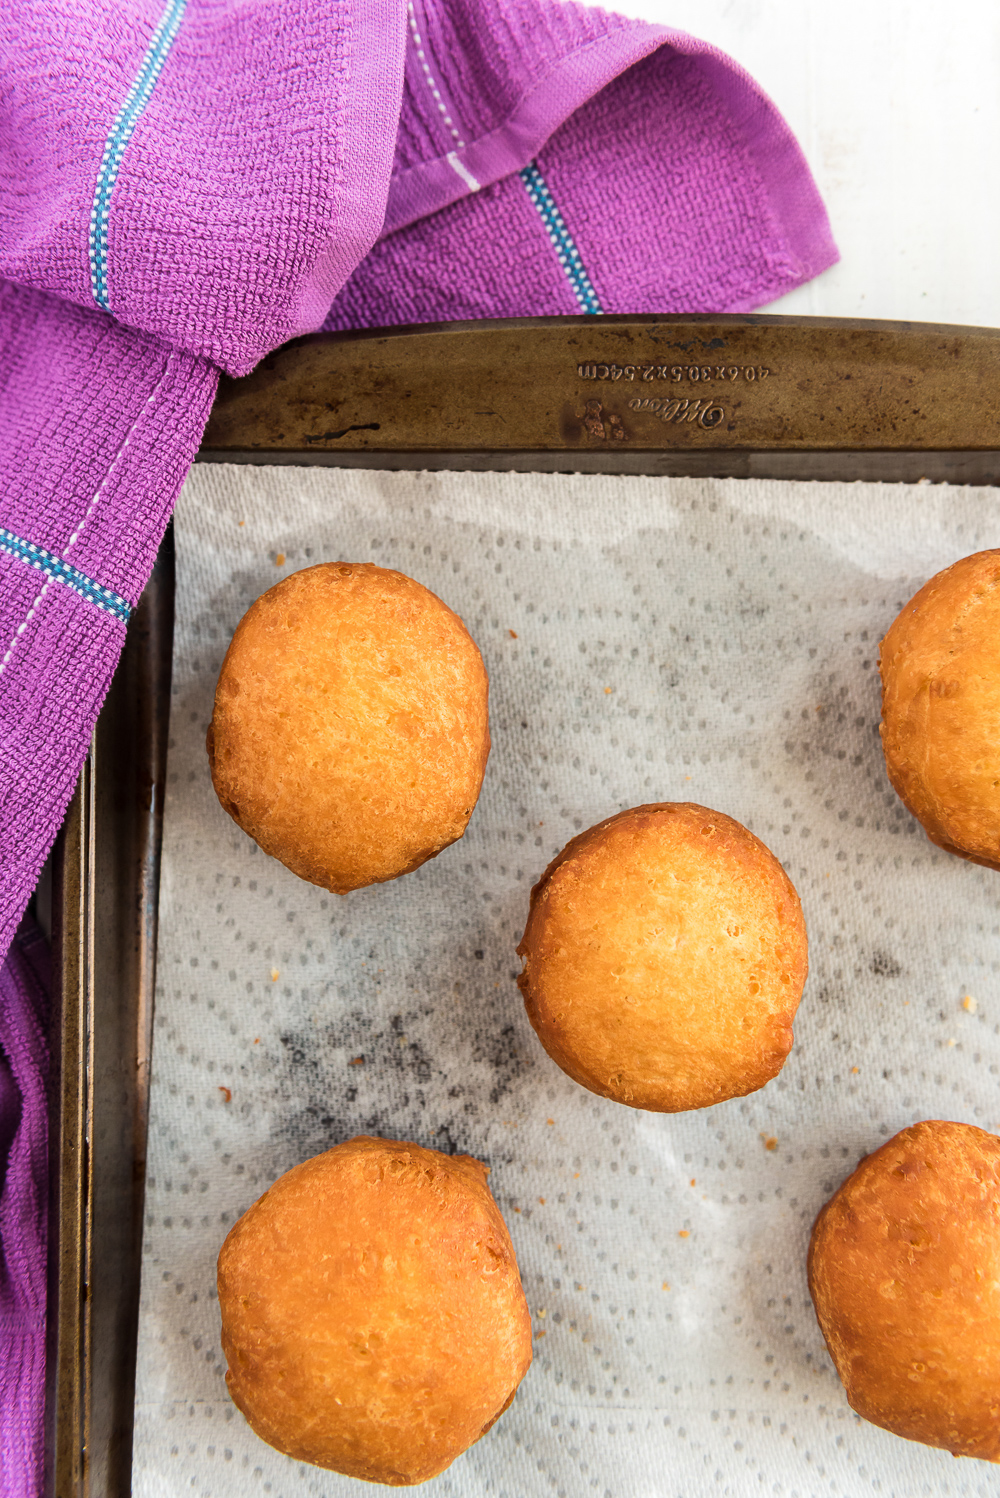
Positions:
(904, 1270)
(940, 665)
(664, 959)
(372, 1314)
(351, 727)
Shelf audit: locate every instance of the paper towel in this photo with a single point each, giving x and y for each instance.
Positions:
(646, 639)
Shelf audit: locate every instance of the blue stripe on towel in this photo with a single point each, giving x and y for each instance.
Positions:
(136, 100)
(62, 572)
(562, 240)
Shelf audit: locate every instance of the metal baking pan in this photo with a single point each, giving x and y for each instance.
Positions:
(740, 397)
(105, 891)
(763, 397)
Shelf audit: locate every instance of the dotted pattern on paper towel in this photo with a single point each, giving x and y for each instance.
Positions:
(645, 640)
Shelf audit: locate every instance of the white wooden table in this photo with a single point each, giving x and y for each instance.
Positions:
(896, 104)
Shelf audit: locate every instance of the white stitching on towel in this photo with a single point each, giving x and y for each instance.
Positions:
(89, 511)
(462, 171)
(442, 106)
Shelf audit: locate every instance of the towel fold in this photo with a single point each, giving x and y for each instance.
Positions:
(642, 172)
(185, 185)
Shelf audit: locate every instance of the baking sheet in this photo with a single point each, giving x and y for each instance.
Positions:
(647, 639)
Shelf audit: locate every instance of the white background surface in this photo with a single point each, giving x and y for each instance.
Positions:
(896, 104)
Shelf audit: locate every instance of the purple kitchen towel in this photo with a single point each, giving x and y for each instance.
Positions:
(553, 159)
(98, 426)
(24, 984)
(209, 172)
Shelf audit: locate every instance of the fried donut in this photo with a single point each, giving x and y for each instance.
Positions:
(372, 1315)
(351, 729)
(664, 959)
(904, 1269)
(940, 666)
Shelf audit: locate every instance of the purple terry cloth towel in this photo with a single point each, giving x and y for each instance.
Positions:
(24, 984)
(187, 184)
(553, 159)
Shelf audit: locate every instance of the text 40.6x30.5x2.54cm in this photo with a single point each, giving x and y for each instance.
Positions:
(674, 372)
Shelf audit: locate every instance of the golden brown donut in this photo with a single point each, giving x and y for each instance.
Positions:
(940, 665)
(372, 1314)
(351, 727)
(904, 1270)
(664, 959)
